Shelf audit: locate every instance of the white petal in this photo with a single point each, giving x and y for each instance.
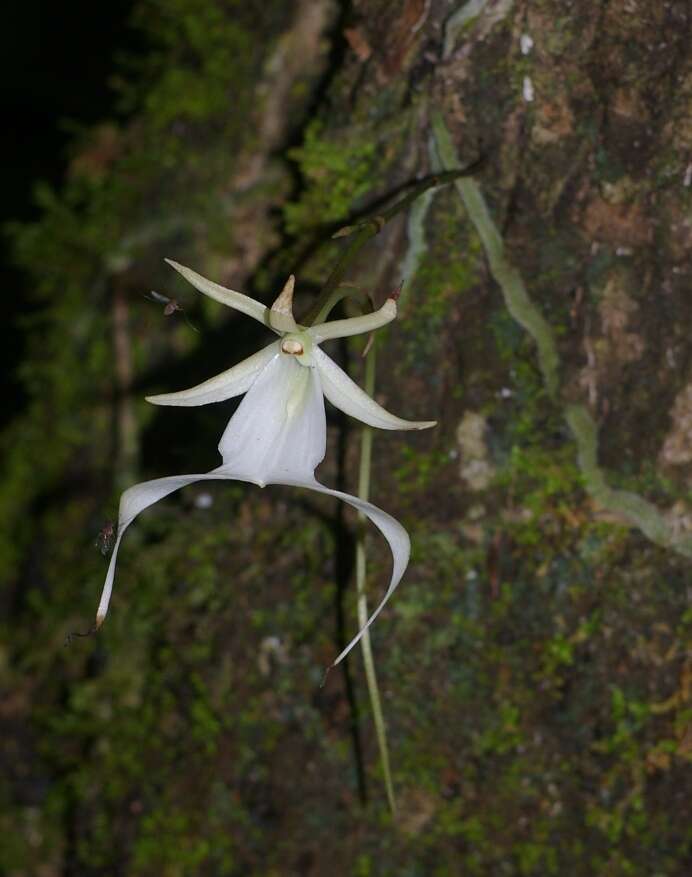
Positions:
(355, 325)
(229, 297)
(135, 500)
(344, 394)
(279, 429)
(233, 382)
(391, 529)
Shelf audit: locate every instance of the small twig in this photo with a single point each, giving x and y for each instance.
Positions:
(75, 633)
(371, 226)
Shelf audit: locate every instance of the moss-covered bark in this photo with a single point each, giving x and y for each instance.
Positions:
(537, 689)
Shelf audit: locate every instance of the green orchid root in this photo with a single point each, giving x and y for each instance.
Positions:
(638, 511)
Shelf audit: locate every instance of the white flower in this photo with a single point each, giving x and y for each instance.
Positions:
(278, 433)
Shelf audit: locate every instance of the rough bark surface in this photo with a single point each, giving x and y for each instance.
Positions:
(535, 659)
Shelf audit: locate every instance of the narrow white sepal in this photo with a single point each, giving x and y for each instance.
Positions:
(233, 382)
(348, 397)
(133, 501)
(355, 325)
(139, 497)
(228, 297)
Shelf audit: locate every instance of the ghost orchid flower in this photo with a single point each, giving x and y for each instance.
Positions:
(278, 433)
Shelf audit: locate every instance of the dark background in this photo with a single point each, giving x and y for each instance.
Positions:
(57, 65)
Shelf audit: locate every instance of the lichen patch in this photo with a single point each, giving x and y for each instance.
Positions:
(475, 467)
(554, 122)
(679, 519)
(616, 346)
(677, 447)
(616, 310)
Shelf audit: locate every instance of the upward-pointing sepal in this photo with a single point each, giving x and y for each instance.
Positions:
(284, 302)
(281, 312)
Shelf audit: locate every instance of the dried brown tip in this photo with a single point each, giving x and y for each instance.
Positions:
(395, 293)
(77, 633)
(284, 303)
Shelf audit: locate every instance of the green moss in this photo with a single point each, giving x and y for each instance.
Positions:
(338, 171)
(444, 278)
(417, 469)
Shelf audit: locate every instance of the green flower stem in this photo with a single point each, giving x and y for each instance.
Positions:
(508, 278)
(330, 295)
(363, 613)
